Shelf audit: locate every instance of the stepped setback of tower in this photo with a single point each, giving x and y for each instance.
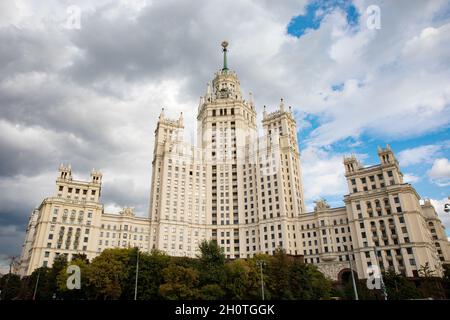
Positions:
(244, 191)
(233, 185)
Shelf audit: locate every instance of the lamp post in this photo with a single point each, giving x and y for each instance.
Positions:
(137, 274)
(355, 290)
(37, 283)
(261, 263)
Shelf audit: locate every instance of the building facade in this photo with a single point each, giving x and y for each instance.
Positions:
(73, 222)
(242, 188)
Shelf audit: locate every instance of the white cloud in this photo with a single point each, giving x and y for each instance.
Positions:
(438, 205)
(440, 172)
(323, 174)
(410, 178)
(416, 155)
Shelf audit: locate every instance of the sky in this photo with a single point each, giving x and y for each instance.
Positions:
(88, 91)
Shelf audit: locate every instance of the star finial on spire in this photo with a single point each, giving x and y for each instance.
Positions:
(224, 46)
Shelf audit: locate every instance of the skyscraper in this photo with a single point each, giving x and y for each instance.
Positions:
(233, 186)
(244, 190)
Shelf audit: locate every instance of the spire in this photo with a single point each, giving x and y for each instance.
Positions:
(224, 46)
(281, 105)
(250, 98)
(161, 115)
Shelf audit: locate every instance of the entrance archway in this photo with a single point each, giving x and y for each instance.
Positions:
(345, 276)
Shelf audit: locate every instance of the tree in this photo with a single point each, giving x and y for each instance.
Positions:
(59, 264)
(10, 286)
(307, 282)
(80, 256)
(74, 294)
(398, 287)
(151, 276)
(237, 284)
(107, 273)
(211, 264)
(180, 283)
(43, 282)
(430, 284)
(211, 292)
(278, 276)
(254, 291)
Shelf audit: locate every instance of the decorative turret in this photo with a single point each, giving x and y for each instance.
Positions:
(96, 176)
(251, 101)
(180, 119)
(65, 172)
(225, 84)
(386, 155)
(281, 105)
(351, 164)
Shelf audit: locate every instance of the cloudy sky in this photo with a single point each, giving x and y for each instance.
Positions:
(88, 93)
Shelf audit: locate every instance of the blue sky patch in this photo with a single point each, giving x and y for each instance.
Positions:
(316, 10)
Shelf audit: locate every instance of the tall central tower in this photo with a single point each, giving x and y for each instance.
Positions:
(234, 187)
(226, 125)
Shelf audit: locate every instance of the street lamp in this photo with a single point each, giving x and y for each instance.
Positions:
(355, 290)
(137, 274)
(37, 283)
(261, 264)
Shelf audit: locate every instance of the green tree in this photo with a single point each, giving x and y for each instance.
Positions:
(40, 280)
(430, 284)
(237, 284)
(10, 285)
(107, 272)
(278, 281)
(59, 264)
(180, 283)
(254, 291)
(151, 276)
(75, 294)
(211, 292)
(398, 287)
(307, 282)
(211, 263)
